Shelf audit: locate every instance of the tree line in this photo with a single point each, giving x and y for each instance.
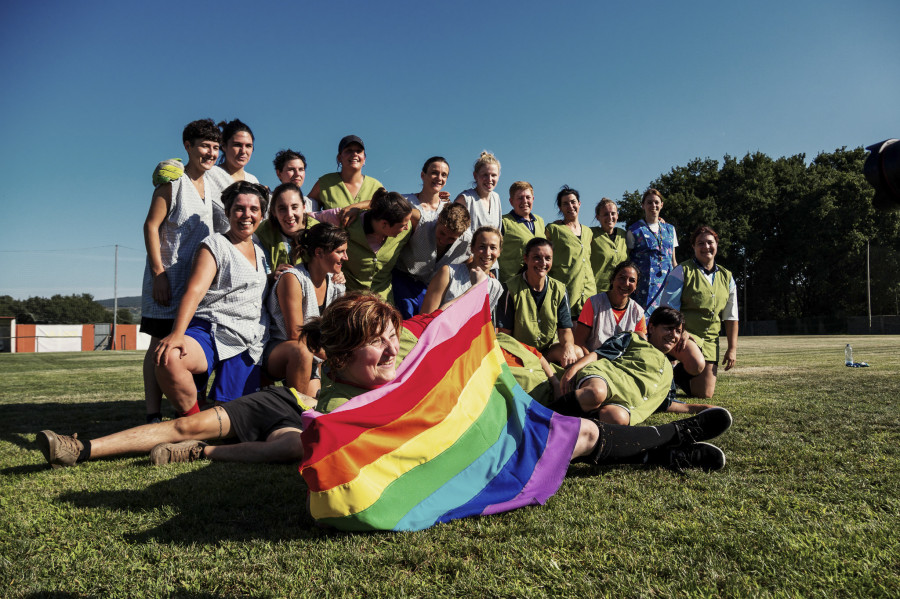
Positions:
(794, 234)
(60, 309)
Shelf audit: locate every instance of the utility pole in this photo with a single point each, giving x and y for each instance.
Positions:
(115, 297)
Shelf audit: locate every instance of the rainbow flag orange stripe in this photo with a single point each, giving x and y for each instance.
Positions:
(452, 436)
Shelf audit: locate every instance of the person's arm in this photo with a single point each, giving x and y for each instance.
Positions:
(506, 313)
(479, 277)
(674, 245)
(569, 356)
(202, 274)
(551, 377)
(414, 220)
(314, 194)
(290, 300)
(731, 333)
(582, 332)
(437, 288)
(160, 204)
(689, 354)
(566, 383)
(461, 199)
(350, 213)
(330, 216)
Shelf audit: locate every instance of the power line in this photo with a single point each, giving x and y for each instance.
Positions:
(68, 250)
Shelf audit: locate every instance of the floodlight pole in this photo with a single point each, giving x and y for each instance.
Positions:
(115, 296)
(868, 285)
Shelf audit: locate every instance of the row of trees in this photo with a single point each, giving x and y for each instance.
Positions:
(794, 235)
(60, 309)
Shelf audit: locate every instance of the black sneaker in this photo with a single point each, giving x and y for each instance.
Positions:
(705, 456)
(708, 424)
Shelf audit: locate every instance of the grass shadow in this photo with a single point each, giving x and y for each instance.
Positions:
(211, 503)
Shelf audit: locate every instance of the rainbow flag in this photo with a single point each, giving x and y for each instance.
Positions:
(452, 436)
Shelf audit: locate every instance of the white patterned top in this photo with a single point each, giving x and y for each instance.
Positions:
(189, 222)
(234, 302)
(481, 217)
(278, 329)
(419, 256)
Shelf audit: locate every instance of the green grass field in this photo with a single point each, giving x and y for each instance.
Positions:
(808, 505)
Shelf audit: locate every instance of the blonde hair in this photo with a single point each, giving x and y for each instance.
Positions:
(603, 203)
(485, 159)
(519, 186)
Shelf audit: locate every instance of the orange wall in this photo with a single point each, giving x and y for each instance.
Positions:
(87, 337)
(25, 341)
(130, 332)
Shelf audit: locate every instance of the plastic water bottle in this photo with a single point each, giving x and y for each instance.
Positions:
(848, 355)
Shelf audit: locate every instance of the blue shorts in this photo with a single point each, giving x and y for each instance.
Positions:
(235, 377)
(409, 293)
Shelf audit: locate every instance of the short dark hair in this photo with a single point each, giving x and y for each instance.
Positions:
(230, 193)
(622, 266)
(432, 160)
(285, 156)
(201, 130)
(666, 316)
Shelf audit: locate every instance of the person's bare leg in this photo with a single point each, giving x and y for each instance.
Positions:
(703, 385)
(293, 362)
(152, 391)
(588, 435)
(211, 424)
(613, 414)
(592, 393)
(176, 377)
(283, 445)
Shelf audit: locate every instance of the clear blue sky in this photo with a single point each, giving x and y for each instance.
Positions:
(602, 96)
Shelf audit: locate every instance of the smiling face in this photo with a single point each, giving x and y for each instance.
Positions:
(539, 261)
(608, 215)
(238, 151)
(623, 286)
(522, 201)
(332, 261)
(486, 178)
(652, 205)
(245, 215)
(288, 210)
(353, 157)
(569, 206)
(204, 154)
(705, 248)
(486, 250)
(664, 337)
(373, 364)
(434, 179)
(294, 171)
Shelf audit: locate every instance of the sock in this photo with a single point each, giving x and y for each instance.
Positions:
(195, 409)
(154, 416)
(567, 405)
(629, 444)
(85, 454)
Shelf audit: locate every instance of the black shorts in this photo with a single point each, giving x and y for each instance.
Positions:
(157, 327)
(256, 416)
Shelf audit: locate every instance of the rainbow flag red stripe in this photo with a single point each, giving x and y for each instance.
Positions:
(452, 436)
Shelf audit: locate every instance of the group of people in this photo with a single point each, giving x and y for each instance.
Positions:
(327, 292)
